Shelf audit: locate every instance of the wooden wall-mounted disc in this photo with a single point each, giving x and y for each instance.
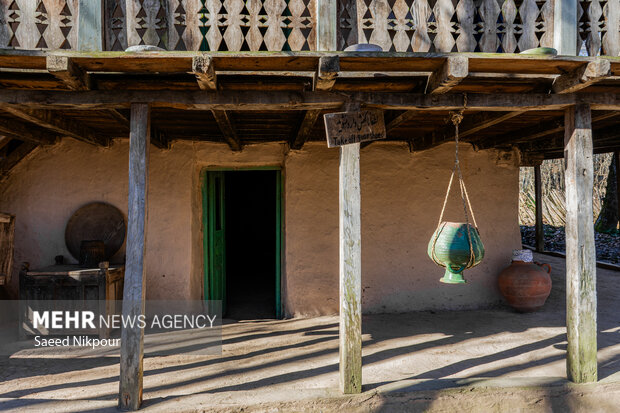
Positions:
(96, 221)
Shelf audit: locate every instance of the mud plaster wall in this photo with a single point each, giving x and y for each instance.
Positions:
(401, 200)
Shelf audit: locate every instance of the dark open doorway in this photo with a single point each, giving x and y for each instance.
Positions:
(250, 244)
(242, 242)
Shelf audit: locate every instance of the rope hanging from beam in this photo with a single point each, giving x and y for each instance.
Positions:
(452, 232)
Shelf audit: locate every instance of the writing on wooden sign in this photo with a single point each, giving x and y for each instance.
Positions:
(344, 128)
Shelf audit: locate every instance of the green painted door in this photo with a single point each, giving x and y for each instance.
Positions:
(215, 238)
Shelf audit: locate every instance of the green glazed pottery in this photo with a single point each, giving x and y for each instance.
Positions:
(449, 247)
(541, 51)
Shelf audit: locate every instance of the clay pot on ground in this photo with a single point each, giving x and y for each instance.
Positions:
(525, 285)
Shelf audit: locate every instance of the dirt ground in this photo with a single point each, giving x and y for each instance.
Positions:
(480, 361)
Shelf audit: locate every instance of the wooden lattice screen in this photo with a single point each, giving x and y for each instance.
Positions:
(599, 27)
(447, 25)
(38, 24)
(397, 25)
(228, 25)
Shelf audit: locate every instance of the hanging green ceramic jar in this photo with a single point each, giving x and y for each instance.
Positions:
(450, 247)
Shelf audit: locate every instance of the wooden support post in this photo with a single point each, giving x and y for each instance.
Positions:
(350, 270)
(132, 338)
(90, 26)
(581, 364)
(540, 232)
(565, 27)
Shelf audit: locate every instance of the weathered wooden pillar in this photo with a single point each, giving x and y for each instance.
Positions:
(90, 25)
(540, 232)
(350, 231)
(350, 270)
(132, 338)
(565, 27)
(581, 364)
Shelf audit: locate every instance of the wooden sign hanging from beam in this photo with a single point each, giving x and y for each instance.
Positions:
(344, 128)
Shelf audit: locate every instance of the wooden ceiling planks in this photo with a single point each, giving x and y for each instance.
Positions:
(394, 82)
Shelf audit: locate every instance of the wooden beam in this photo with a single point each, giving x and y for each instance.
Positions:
(584, 76)
(64, 69)
(286, 100)
(496, 102)
(406, 116)
(324, 79)
(119, 117)
(18, 130)
(485, 121)
(471, 125)
(531, 158)
(56, 123)
(535, 133)
(581, 365)
(327, 72)
(606, 140)
(221, 100)
(540, 233)
(4, 140)
(132, 337)
(204, 70)
(230, 135)
(303, 133)
(159, 139)
(15, 157)
(350, 270)
(450, 74)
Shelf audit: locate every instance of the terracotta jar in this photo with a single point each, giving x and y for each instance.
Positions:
(525, 285)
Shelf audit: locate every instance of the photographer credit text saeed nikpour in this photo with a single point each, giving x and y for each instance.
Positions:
(86, 320)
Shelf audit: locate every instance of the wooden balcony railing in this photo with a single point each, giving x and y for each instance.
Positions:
(272, 25)
(222, 25)
(38, 24)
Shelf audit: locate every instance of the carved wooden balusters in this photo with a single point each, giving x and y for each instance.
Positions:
(509, 26)
(447, 25)
(38, 24)
(211, 25)
(599, 27)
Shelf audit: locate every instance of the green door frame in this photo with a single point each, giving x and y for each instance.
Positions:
(279, 226)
